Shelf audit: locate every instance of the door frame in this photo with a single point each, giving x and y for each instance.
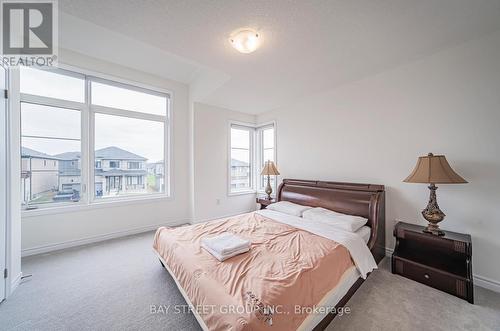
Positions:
(5, 281)
(13, 258)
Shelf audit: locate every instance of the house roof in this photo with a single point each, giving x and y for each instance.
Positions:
(68, 156)
(108, 153)
(112, 153)
(28, 152)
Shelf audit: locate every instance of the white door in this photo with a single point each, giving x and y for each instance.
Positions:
(3, 179)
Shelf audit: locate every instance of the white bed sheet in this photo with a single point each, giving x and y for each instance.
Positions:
(359, 251)
(364, 232)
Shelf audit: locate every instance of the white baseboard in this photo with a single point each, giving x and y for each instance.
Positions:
(15, 282)
(89, 240)
(487, 283)
(480, 281)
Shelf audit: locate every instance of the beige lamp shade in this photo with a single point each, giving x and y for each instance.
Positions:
(434, 169)
(270, 169)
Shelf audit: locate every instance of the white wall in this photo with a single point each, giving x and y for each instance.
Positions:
(46, 230)
(211, 129)
(373, 130)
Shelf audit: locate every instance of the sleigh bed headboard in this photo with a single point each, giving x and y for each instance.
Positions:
(366, 200)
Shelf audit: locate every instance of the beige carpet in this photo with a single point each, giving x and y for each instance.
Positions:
(112, 285)
(390, 302)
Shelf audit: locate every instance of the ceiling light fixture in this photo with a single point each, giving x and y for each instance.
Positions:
(245, 40)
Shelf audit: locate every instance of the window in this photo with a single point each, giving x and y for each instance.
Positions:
(50, 131)
(134, 165)
(114, 164)
(241, 158)
(130, 126)
(266, 153)
(142, 143)
(120, 97)
(51, 84)
(250, 148)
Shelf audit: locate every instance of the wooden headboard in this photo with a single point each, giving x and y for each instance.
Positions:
(364, 200)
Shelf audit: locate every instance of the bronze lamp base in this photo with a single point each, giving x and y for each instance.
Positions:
(433, 214)
(269, 189)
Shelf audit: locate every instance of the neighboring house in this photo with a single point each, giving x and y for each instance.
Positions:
(39, 175)
(118, 171)
(47, 178)
(240, 174)
(156, 176)
(69, 176)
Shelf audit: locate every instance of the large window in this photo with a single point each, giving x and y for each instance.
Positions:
(250, 147)
(64, 114)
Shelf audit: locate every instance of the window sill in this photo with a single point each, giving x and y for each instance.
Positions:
(242, 193)
(76, 207)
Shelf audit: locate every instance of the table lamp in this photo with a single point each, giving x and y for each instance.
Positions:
(269, 170)
(433, 169)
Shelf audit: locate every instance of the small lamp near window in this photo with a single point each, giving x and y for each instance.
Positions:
(269, 170)
(433, 169)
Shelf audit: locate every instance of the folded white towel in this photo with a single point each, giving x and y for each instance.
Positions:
(224, 257)
(226, 243)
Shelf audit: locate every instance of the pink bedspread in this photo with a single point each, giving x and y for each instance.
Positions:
(268, 288)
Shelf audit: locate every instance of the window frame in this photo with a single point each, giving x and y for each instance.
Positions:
(256, 152)
(87, 138)
(251, 129)
(64, 104)
(260, 153)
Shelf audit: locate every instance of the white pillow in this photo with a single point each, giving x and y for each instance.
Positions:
(289, 208)
(342, 221)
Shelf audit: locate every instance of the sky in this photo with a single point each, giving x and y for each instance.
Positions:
(141, 137)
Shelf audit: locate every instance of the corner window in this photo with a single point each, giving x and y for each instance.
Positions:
(241, 159)
(266, 152)
(250, 147)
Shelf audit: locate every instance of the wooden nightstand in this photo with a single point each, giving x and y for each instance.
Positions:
(442, 262)
(264, 202)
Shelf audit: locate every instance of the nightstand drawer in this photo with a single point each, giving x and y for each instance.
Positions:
(443, 281)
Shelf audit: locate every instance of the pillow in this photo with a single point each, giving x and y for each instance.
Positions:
(289, 208)
(342, 221)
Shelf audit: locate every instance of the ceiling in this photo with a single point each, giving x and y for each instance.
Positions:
(308, 46)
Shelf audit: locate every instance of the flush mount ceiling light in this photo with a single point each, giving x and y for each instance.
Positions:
(245, 40)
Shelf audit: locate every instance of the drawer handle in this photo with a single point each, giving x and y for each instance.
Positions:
(426, 276)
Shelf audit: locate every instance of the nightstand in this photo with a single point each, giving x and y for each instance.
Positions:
(442, 262)
(264, 202)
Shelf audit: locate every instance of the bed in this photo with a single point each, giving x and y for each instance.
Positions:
(304, 266)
